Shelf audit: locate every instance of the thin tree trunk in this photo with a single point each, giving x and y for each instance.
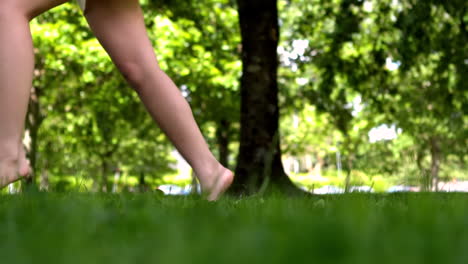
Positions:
(259, 162)
(106, 168)
(426, 183)
(349, 169)
(435, 162)
(34, 121)
(142, 185)
(222, 137)
(103, 186)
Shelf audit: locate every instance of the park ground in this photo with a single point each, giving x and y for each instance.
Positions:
(151, 228)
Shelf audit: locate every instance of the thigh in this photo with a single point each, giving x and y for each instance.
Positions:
(120, 28)
(29, 8)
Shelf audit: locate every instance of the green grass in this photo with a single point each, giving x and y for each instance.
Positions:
(147, 228)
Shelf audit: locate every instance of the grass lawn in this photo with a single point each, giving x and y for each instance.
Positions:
(148, 228)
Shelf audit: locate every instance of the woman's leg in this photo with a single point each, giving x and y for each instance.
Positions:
(119, 26)
(16, 73)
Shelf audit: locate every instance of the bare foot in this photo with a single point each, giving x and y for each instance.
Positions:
(221, 184)
(24, 170)
(12, 171)
(8, 173)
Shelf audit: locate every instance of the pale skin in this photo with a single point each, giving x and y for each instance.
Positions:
(119, 26)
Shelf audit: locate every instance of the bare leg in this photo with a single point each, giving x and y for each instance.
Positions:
(119, 26)
(16, 73)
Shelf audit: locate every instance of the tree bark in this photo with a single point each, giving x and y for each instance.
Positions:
(425, 177)
(222, 138)
(259, 162)
(106, 168)
(104, 182)
(435, 163)
(349, 169)
(142, 185)
(34, 121)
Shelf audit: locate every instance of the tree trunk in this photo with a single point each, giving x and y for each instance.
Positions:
(435, 163)
(34, 121)
(103, 186)
(222, 138)
(259, 162)
(142, 185)
(349, 169)
(426, 183)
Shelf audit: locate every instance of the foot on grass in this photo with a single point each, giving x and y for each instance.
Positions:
(12, 170)
(220, 184)
(8, 173)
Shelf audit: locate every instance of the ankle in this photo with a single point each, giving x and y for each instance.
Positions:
(8, 171)
(9, 152)
(9, 162)
(210, 175)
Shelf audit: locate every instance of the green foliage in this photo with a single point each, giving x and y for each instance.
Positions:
(406, 62)
(85, 121)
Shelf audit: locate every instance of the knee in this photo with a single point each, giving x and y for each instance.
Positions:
(28, 10)
(136, 73)
(132, 72)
